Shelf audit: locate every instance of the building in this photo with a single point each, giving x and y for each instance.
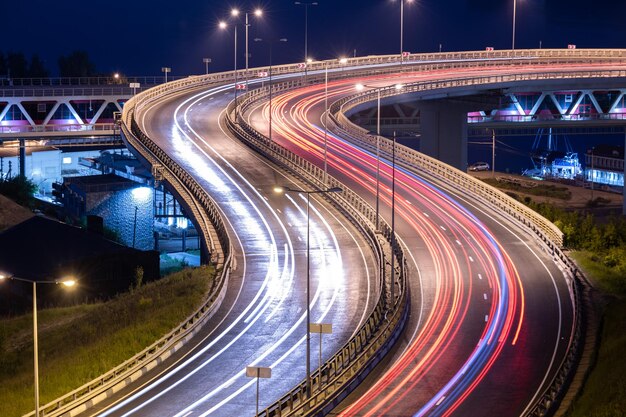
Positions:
(605, 166)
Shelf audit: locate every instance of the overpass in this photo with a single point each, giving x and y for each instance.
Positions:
(304, 154)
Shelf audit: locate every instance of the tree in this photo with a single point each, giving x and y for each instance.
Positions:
(76, 64)
(17, 65)
(37, 68)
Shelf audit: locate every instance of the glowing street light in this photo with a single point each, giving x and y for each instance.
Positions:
(67, 282)
(283, 190)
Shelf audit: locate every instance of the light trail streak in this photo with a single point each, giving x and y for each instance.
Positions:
(480, 251)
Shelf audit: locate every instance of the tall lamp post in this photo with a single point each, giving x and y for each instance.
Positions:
(283, 190)
(342, 61)
(223, 25)
(270, 42)
(306, 5)
(361, 87)
(514, 13)
(402, 28)
(68, 282)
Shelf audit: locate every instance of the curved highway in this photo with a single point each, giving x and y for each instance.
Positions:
(491, 311)
(262, 321)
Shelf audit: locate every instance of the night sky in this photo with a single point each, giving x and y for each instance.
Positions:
(139, 37)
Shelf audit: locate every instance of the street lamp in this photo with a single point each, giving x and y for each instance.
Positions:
(270, 42)
(306, 5)
(68, 282)
(223, 25)
(283, 190)
(342, 61)
(206, 61)
(361, 87)
(402, 28)
(514, 15)
(165, 70)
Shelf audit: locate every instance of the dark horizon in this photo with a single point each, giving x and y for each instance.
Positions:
(143, 37)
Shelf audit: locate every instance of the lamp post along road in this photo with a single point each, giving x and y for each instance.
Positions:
(270, 42)
(308, 193)
(361, 87)
(66, 282)
(514, 12)
(306, 30)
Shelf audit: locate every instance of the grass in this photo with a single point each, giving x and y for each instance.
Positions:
(542, 190)
(77, 344)
(604, 393)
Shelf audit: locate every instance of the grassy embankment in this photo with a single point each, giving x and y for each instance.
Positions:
(77, 344)
(604, 393)
(599, 248)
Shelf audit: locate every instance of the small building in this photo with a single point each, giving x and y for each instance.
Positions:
(41, 249)
(605, 165)
(126, 206)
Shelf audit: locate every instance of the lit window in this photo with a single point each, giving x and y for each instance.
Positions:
(67, 160)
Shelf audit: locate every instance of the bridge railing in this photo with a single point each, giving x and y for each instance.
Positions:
(60, 128)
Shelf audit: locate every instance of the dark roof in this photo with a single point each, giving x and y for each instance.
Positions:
(38, 247)
(610, 151)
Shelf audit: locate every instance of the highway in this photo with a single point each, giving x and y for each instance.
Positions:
(262, 320)
(491, 312)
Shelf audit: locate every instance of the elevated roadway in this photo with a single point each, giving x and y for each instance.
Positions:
(490, 303)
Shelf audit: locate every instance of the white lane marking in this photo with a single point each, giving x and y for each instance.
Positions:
(485, 296)
(458, 242)
(440, 400)
(486, 318)
(480, 276)
(471, 259)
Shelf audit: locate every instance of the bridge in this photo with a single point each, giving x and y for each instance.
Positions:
(483, 277)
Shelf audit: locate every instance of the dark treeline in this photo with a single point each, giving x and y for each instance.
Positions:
(17, 65)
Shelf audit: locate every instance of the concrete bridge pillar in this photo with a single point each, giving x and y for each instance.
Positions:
(444, 130)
